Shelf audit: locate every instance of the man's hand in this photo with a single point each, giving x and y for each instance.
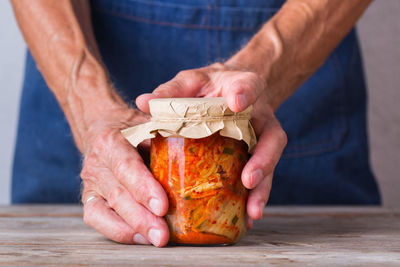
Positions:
(121, 198)
(241, 89)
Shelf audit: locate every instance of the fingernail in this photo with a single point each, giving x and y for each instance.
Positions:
(241, 101)
(155, 206)
(154, 236)
(256, 177)
(262, 206)
(139, 239)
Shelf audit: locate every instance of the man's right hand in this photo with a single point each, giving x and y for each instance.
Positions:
(121, 198)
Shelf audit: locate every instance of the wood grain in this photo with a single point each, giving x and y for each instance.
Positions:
(288, 236)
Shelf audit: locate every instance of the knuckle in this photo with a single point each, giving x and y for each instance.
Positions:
(141, 190)
(169, 88)
(162, 87)
(87, 216)
(123, 168)
(195, 77)
(103, 141)
(184, 73)
(135, 181)
(254, 80)
(218, 65)
(122, 236)
(140, 224)
(87, 167)
(114, 195)
(269, 165)
(251, 76)
(192, 77)
(88, 170)
(241, 85)
(282, 136)
(85, 173)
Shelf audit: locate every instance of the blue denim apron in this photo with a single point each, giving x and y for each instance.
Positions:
(145, 43)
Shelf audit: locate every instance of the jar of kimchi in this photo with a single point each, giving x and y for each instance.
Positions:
(198, 150)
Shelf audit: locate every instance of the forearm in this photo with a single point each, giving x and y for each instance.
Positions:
(60, 37)
(295, 42)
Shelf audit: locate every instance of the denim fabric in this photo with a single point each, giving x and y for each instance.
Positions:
(145, 43)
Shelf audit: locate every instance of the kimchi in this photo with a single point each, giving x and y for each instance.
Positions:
(202, 178)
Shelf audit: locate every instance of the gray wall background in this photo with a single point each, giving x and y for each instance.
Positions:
(379, 31)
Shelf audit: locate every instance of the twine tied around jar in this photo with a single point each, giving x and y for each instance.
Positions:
(193, 118)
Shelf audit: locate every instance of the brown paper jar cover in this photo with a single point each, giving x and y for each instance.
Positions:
(193, 118)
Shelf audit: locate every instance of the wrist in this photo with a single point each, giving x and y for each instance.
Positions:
(263, 56)
(92, 105)
(257, 56)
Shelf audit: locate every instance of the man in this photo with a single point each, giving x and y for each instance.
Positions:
(89, 55)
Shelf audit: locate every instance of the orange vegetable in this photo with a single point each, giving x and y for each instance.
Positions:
(202, 177)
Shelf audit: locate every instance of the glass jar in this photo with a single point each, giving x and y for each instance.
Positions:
(199, 148)
(202, 178)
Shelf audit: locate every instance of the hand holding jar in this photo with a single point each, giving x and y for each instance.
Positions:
(241, 89)
(121, 198)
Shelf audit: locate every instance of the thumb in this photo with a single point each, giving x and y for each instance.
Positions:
(243, 91)
(186, 83)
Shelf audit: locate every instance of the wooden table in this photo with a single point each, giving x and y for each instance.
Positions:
(292, 236)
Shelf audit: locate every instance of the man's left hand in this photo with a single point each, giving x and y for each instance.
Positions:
(241, 89)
